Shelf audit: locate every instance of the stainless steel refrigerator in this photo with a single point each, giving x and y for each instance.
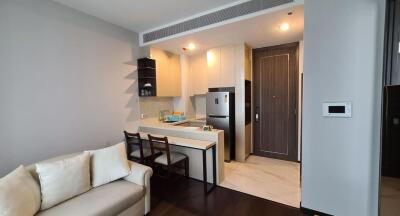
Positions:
(220, 110)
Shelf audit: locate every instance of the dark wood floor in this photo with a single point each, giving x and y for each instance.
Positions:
(185, 197)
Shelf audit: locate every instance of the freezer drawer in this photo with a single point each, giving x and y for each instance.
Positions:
(223, 123)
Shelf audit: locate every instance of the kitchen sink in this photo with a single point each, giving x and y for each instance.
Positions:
(190, 124)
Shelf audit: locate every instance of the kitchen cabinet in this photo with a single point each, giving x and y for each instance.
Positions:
(168, 73)
(214, 67)
(221, 67)
(198, 75)
(227, 74)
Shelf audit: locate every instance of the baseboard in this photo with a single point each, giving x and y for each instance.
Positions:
(311, 212)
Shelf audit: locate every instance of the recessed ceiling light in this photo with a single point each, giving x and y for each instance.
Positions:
(190, 46)
(284, 26)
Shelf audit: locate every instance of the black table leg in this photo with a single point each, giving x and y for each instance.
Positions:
(205, 170)
(214, 157)
(214, 166)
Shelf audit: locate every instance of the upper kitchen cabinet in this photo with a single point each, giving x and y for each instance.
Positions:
(227, 76)
(214, 68)
(221, 67)
(198, 74)
(168, 73)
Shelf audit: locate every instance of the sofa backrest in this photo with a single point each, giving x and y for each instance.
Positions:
(32, 168)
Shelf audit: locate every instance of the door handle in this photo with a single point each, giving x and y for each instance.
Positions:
(257, 113)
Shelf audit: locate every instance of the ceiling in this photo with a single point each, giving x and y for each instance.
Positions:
(260, 31)
(140, 16)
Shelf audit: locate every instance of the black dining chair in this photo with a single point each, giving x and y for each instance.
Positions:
(167, 159)
(134, 148)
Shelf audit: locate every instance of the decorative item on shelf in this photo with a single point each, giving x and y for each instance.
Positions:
(147, 85)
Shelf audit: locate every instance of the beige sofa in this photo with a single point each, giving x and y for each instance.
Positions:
(127, 196)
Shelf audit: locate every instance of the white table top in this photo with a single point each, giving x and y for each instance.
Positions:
(184, 142)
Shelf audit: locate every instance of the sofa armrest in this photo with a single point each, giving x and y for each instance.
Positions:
(140, 175)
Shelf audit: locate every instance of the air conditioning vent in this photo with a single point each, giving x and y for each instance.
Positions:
(212, 18)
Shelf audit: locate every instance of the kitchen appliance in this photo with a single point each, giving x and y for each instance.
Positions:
(220, 110)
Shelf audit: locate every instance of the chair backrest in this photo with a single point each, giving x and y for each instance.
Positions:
(133, 139)
(161, 144)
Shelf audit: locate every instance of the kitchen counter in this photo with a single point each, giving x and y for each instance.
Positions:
(153, 126)
(155, 123)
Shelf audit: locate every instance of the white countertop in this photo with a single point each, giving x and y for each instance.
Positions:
(155, 123)
(190, 143)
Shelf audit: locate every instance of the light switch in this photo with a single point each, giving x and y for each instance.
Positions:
(336, 109)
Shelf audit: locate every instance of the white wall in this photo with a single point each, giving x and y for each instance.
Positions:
(240, 125)
(64, 82)
(343, 47)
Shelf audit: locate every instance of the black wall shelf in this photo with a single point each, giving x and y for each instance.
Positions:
(147, 77)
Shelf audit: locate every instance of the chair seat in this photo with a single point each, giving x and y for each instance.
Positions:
(175, 157)
(146, 153)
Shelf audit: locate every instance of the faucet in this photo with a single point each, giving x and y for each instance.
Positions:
(162, 114)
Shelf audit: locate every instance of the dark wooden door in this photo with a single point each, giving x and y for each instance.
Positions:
(275, 73)
(390, 159)
(391, 132)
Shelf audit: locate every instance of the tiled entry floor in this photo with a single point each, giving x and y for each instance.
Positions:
(390, 196)
(271, 179)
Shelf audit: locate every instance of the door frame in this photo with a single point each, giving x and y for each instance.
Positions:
(295, 45)
(387, 69)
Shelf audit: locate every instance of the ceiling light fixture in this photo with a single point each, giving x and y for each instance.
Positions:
(190, 46)
(284, 26)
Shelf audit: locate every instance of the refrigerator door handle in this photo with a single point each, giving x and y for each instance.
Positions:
(217, 116)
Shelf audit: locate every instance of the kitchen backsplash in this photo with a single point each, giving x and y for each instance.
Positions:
(200, 106)
(151, 106)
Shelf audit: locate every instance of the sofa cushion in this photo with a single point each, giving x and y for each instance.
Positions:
(108, 199)
(19, 193)
(109, 164)
(63, 179)
(32, 167)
